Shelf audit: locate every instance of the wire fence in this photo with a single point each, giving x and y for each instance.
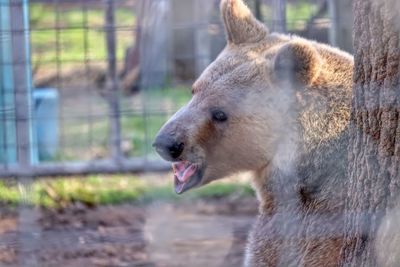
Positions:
(85, 85)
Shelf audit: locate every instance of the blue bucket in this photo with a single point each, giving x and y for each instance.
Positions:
(46, 119)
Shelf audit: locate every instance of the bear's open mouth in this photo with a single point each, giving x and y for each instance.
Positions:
(186, 175)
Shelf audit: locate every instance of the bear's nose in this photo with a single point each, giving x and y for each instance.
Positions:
(167, 147)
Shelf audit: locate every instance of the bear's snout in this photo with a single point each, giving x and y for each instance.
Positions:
(167, 147)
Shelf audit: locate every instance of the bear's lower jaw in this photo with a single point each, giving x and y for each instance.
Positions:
(181, 188)
(187, 175)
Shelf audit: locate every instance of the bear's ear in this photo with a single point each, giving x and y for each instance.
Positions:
(240, 24)
(297, 62)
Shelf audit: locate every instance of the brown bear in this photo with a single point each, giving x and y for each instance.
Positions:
(278, 106)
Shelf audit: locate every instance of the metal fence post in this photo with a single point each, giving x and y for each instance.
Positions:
(341, 30)
(113, 88)
(279, 15)
(257, 9)
(19, 26)
(332, 9)
(201, 10)
(8, 149)
(22, 82)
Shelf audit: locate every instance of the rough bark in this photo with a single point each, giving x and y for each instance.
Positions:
(374, 169)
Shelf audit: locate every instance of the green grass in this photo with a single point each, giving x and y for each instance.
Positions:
(9, 194)
(214, 190)
(166, 100)
(79, 138)
(75, 42)
(174, 96)
(110, 190)
(297, 14)
(92, 191)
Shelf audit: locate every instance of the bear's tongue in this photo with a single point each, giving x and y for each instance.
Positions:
(183, 170)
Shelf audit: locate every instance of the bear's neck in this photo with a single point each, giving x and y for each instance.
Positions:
(316, 181)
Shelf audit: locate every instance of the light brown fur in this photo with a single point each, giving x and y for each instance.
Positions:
(288, 105)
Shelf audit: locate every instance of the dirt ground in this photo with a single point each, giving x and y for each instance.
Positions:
(200, 233)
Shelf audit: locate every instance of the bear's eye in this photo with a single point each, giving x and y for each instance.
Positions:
(219, 116)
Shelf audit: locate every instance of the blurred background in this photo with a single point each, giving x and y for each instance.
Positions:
(85, 86)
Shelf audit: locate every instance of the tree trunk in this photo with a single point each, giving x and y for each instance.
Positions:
(374, 169)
